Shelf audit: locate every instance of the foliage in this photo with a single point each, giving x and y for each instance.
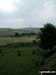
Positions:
(54, 48)
(34, 41)
(19, 53)
(16, 34)
(48, 36)
(33, 52)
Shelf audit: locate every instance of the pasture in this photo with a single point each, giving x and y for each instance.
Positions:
(13, 63)
(23, 56)
(9, 40)
(26, 60)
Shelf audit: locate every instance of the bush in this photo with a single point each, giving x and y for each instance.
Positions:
(37, 63)
(16, 34)
(2, 54)
(0, 51)
(22, 44)
(34, 41)
(42, 61)
(33, 52)
(54, 48)
(19, 53)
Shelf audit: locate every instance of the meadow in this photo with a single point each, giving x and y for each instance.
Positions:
(9, 40)
(21, 56)
(13, 64)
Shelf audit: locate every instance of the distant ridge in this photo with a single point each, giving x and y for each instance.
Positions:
(12, 31)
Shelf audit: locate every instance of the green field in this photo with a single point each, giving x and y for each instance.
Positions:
(9, 40)
(12, 64)
(20, 56)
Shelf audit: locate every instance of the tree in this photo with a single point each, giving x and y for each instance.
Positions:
(16, 34)
(48, 36)
(34, 41)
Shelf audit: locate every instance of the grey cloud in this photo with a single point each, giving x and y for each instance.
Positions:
(34, 12)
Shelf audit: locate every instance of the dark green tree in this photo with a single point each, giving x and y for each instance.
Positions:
(48, 36)
(17, 34)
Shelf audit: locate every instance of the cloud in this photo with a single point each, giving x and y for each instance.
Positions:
(44, 13)
(7, 5)
(12, 20)
(34, 12)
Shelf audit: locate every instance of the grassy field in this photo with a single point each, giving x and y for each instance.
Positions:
(24, 59)
(9, 40)
(12, 64)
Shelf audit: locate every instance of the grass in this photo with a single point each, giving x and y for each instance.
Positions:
(12, 64)
(9, 40)
(28, 63)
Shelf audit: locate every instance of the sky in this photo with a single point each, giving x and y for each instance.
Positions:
(23, 13)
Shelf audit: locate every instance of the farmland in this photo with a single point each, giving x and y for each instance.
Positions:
(9, 40)
(10, 32)
(22, 56)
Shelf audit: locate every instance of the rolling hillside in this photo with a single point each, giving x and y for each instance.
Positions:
(11, 31)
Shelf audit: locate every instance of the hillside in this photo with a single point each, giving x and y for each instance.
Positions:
(6, 32)
(51, 63)
(11, 31)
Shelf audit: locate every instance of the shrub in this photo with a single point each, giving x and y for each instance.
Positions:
(0, 51)
(17, 34)
(37, 63)
(19, 53)
(2, 54)
(22, 44)
(42, 61)
(54, 48)
(33, 52)
(34, 41)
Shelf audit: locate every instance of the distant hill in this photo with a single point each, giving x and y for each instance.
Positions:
(35, 30)
(6, 32)
(11, 31)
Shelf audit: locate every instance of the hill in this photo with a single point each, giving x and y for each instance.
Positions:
(11, 32)
(6, 32)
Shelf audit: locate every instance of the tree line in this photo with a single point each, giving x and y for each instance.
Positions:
(24, 34)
